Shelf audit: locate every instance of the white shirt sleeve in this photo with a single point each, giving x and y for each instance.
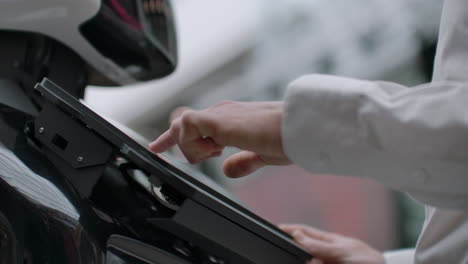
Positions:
(411, 139)
(404, 256)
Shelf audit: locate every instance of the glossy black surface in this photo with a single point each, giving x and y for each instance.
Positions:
(50, 220)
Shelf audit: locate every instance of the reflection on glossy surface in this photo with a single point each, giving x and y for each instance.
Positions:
(39, 219)
(44, 219)
(35, 188)
(113, 259)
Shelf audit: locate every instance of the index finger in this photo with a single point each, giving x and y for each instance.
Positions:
(162, 143)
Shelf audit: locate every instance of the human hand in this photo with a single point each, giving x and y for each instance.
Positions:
(254, 127)
(330, 248)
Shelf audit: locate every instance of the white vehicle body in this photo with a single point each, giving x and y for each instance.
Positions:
(61, 20)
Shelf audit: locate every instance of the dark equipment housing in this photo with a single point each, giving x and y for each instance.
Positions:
(134, 206)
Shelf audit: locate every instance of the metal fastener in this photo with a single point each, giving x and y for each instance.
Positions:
(41, 130)
(80, 159)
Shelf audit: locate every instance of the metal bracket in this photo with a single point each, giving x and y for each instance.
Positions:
(71, 140)
(84, 152)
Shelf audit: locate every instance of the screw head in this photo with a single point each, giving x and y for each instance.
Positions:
(80, 159)
(41, 130)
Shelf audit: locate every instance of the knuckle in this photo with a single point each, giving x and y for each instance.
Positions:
(178, 112)
(187, 117)
(175, 128)
(208, 126)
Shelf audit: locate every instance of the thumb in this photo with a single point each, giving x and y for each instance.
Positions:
(242, 164)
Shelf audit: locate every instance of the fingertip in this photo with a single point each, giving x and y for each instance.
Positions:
(155, 146)
(162, 143)
(230, 171)
(234, 170)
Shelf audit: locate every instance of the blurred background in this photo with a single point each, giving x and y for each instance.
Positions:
(250, 50)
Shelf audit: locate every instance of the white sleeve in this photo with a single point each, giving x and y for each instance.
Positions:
(411, 139)
(404, 256)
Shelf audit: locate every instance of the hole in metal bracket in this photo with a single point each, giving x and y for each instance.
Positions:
(60, 142)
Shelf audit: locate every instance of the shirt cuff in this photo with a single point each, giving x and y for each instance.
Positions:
(404, 256)
(321, 112)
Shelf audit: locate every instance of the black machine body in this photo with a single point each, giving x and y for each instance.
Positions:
(75, 189)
